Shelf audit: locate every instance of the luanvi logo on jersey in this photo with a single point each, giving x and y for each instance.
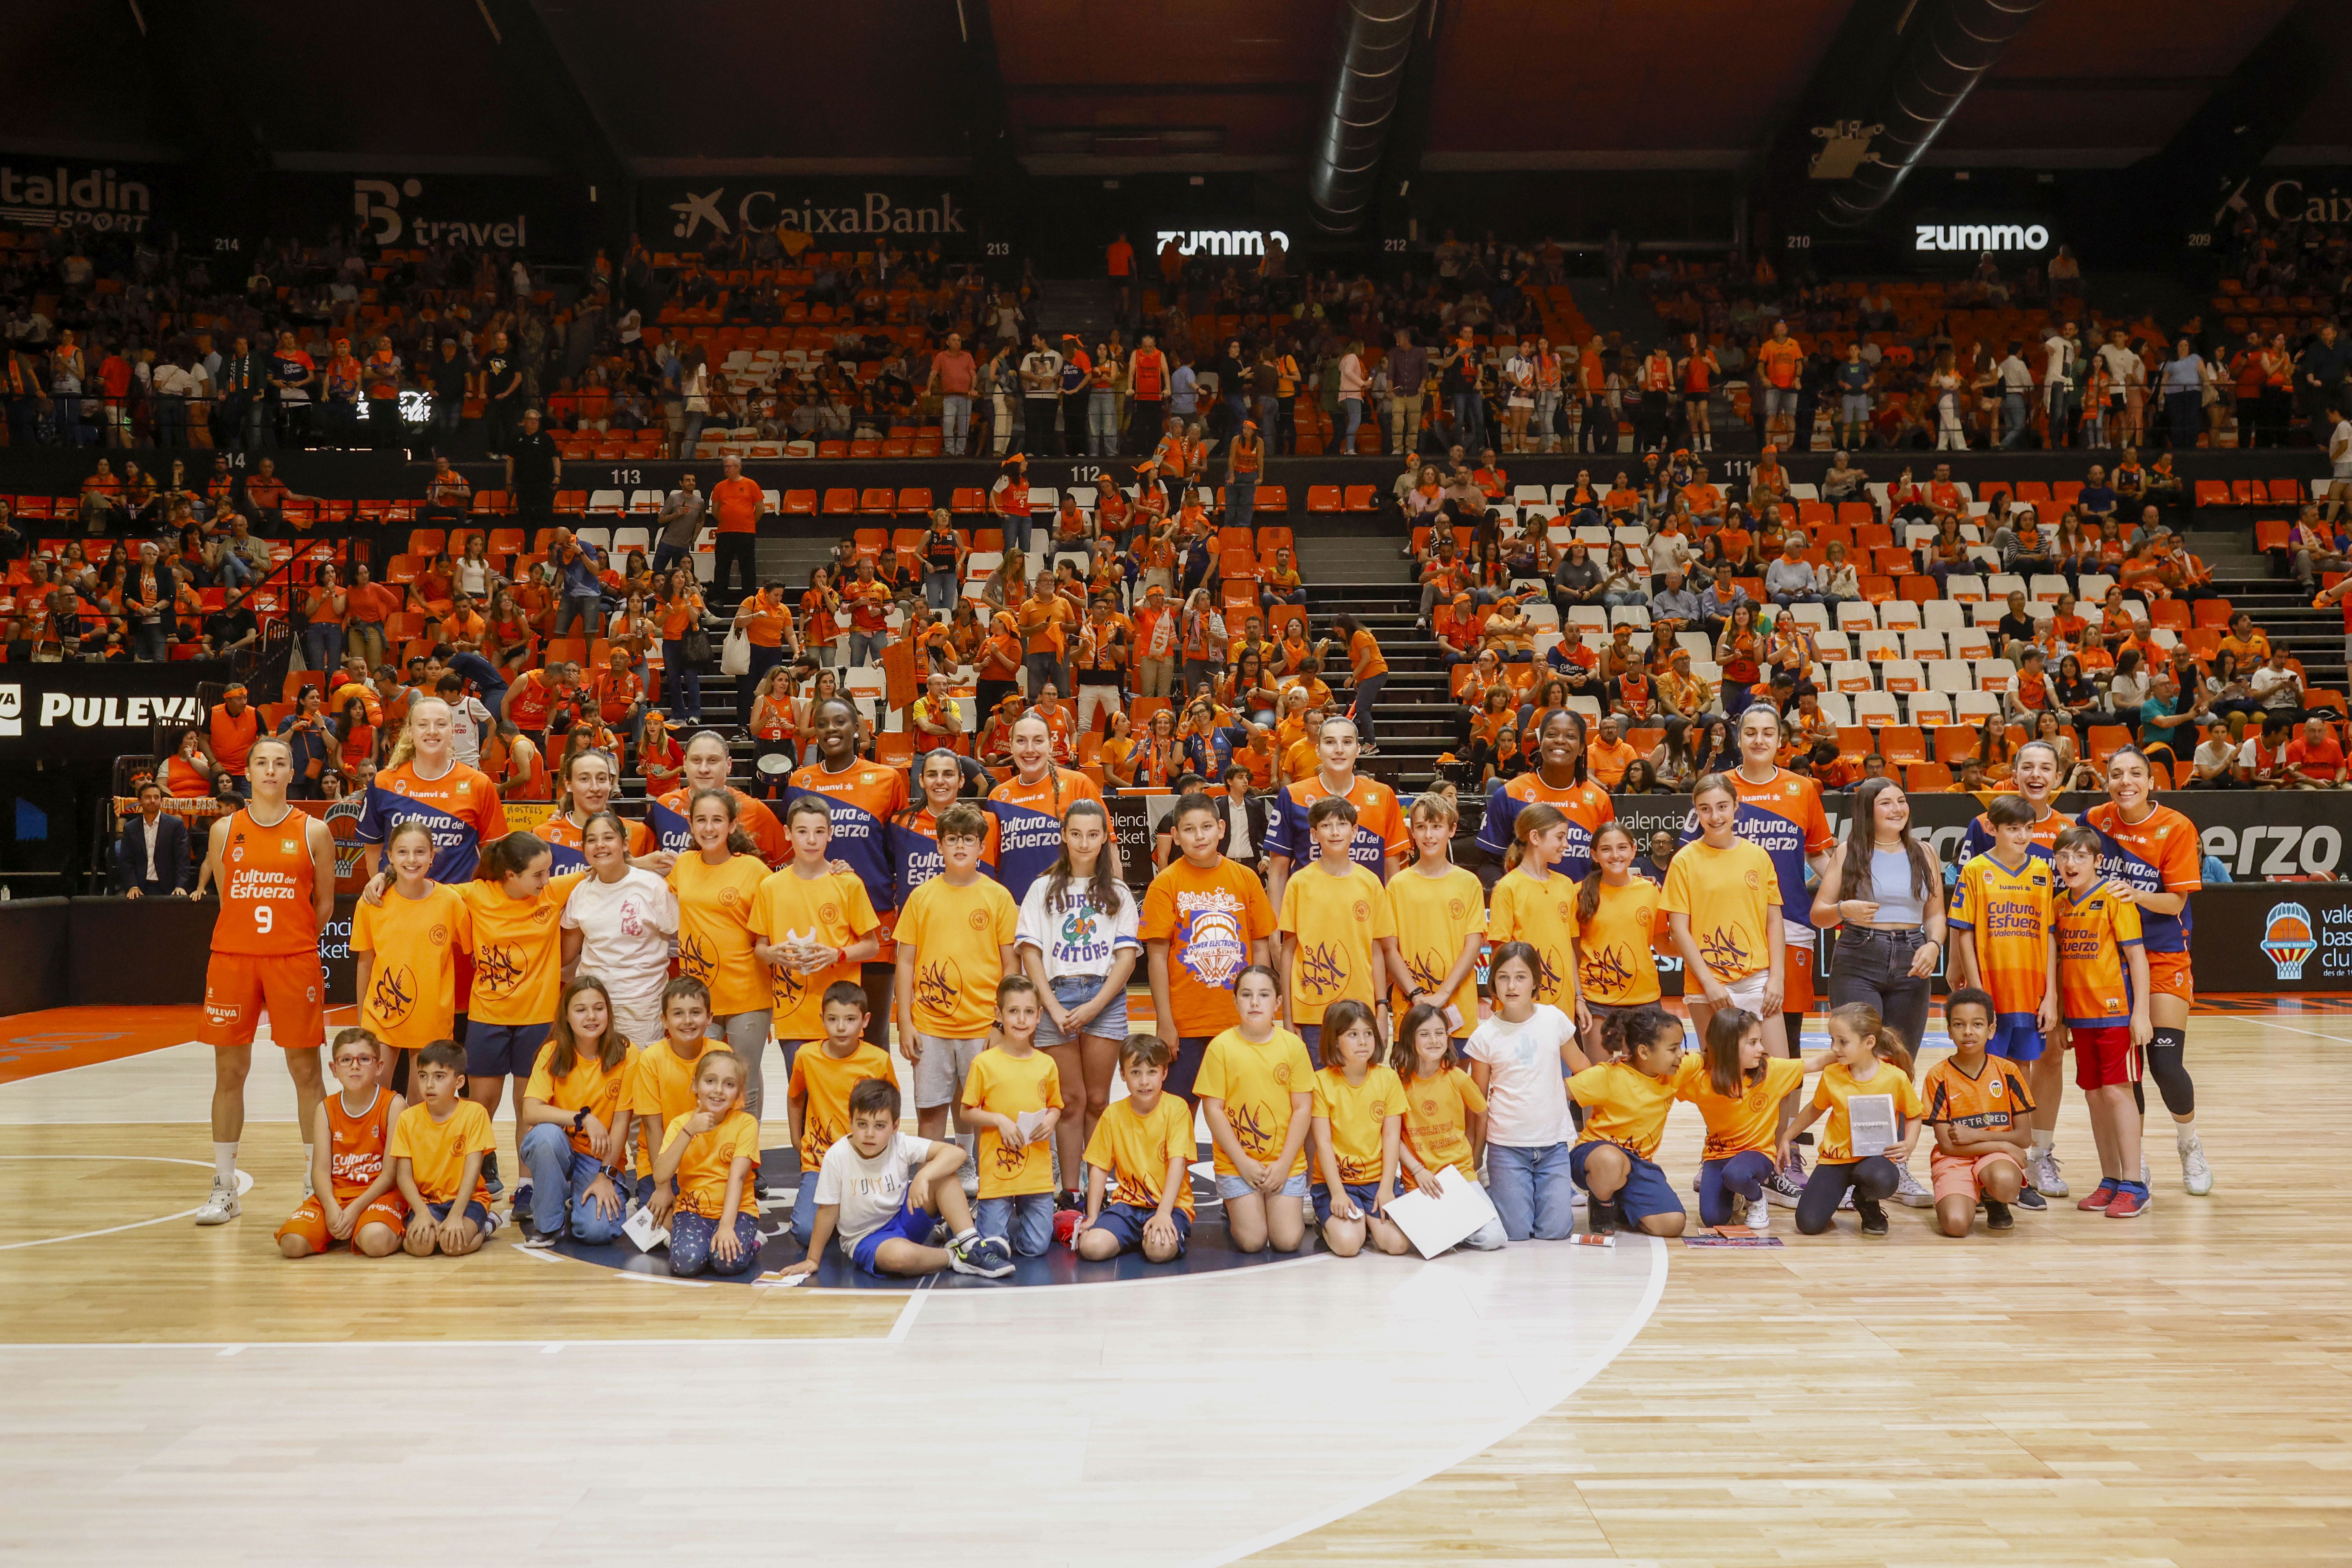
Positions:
(62, 708)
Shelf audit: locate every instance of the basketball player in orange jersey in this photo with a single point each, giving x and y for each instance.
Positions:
(275, 867)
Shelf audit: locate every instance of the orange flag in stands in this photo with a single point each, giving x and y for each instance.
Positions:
(899, 670)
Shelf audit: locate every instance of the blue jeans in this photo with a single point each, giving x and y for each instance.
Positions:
(236, 571)
(1532, 1191)
(1027, 1221)
(1470, 420)
(322, 645)
(2012, 418)
(685, 681)
(1017, 530)
(804, 1208)
(1368, 691)
(1718, 1179)
(1351, 415)
(1240, 500)
(148, 644)
(1102, 425)
(939, 591)
(955, 421)
(561, 1176)
(690, 1235)
(865, 647)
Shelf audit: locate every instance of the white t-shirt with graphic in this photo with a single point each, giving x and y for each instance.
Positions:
(868, 1191)
(1527, 1097)
(1072, 934)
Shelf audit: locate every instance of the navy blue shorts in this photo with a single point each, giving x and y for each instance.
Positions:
(910, 1224)
(474, 1210)
(1646, 1190)
(2015, 1037)
(1359, 1192)
(1126, 1221)
(503, 1051)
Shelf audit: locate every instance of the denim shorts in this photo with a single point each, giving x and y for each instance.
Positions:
(1358, 1194)
(1232, 1187)
(1126, 1221)
(1074, 990)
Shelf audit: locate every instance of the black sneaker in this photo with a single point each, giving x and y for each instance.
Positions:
(1997, 1215)
(1874, 1216)
(1068, 1202)
(490, 1174)
(2027, 1198)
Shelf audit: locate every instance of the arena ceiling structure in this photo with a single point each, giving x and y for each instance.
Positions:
(1349, 101)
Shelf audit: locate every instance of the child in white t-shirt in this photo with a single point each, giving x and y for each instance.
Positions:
(883, 1193)
(1515, 1058)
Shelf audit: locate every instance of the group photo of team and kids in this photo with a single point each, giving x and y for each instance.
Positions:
(1352, 1041)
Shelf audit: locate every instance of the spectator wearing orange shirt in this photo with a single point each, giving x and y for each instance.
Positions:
(736, 504)
(2313, 759)
(1777, 360)
(867, 599)
(621, 698)
(766, 623)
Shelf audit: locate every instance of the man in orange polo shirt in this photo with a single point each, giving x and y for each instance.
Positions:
(1777, 360)
(736, 504)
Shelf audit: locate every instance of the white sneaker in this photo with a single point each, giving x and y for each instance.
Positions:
(2196, 1175)
(1576, 1199)
(221, 1207)
(1911, 1194)
(2043, 1174)
(1759, 1219)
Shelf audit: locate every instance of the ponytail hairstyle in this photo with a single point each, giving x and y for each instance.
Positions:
(1104, 892)
(511, 856)
(739, 841)
(1404, 1053)
(1860, 1018)
(1337, 1019)
(1533, 819)
(1588, 893)
(1725, 1030)
(612, 1052)
(1624, 1032)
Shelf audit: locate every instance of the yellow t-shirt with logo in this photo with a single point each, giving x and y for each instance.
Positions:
(1623, 1105)
(1133, 1149)
(1434, 917)
(1616, 963)
(1437, 1112)
(1255, 1083)
(714, 929)
(959, 935)
(822, 1082)
(1336, 920)
(1728, 895)
(707, 1164)
(1543, 915)
(832, 909)
(1009, 1086)
(590, 1084)
(1359, 1114)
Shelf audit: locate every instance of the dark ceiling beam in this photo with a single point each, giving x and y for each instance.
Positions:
(1408, 142)
(998, 177)
(1160, 90)
(578, 141)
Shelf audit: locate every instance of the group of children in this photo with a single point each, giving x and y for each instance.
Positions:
(1328, 1039)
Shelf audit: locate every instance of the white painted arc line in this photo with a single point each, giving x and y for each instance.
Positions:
(45, 1346)
(244, 1185)
(1381, 1490)
(907, 1314)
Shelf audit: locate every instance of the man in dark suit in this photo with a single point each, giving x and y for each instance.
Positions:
(151, 858)
(1244, 817)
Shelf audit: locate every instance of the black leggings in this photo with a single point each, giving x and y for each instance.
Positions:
(1873, 1179)
(1718, 1179)
(881, 982)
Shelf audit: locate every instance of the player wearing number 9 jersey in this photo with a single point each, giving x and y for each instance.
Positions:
(275, 868)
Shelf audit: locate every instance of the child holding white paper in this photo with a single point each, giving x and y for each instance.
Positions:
(1873, 1120)
(1358, 1104)
(1013, 1099)
(1444, 1114)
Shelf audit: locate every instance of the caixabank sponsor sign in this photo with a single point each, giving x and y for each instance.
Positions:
(693, 214)
(86, 712)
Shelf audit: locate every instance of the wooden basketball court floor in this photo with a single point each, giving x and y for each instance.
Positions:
(2176, 1389)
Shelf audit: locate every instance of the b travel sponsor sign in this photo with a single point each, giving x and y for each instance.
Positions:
(96, 712)
(404, 212)
(693, 213)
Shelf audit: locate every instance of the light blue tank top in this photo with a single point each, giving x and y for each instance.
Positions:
(1890, 885)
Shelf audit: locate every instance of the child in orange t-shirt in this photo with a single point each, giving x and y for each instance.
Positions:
(352, 1197)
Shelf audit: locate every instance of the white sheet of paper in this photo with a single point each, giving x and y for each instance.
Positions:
(1453, 1017)
(1435, 1222)
(1872, 1118)
(1029, 1121)
(641, 1229)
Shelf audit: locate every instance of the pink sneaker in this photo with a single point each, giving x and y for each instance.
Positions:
(2127, 1203)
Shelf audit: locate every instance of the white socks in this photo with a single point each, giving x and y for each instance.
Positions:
(2184, 1134)
(2043, 1143)
(224, 1165)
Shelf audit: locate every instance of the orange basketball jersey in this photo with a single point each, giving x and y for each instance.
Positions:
(356, 1158)
(266, 887)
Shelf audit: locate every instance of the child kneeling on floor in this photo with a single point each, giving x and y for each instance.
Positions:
(437, 1152)
(1140, 1156)
(883, 1193)
(714, 1156)
(1626, 1102)
(351, 1196)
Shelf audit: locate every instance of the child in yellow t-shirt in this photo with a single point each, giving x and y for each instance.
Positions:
(1444, 1111)
(1256, 1098)
(1533, 904)
(437, 1152)
(1737, 1084)
(573, 1146)
(821, 1085)
(1336, 923)
(1868, 1079)
(955, 939)
(1358, 1107)
(1011, 1080)
(1140, 1158)
(713, 1154)
(1626, 1102)
(1722, 904)
(660, 1086)
(1440, 914)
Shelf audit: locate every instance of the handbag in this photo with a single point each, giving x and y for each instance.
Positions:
(735, 658)
(696, 645)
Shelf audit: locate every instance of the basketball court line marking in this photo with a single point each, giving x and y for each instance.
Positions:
(1462, 1453)
(244, 1185)
(907, 1314)
(2289, 1028)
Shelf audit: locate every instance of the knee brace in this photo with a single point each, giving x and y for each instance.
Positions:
(2167, 1066)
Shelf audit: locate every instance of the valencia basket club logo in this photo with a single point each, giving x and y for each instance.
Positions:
(2287, 939)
